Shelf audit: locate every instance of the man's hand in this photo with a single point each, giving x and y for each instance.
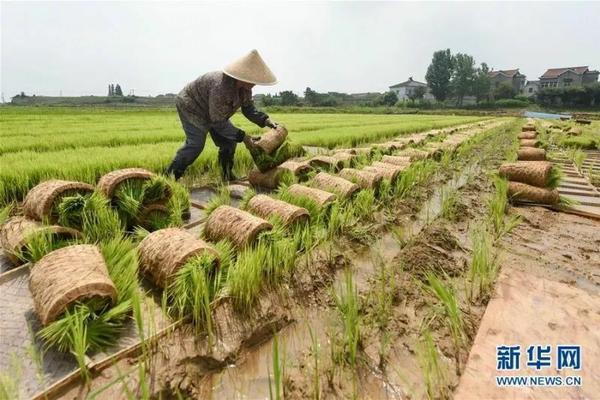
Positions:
(271, 124)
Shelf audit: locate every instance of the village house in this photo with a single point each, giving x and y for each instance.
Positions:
(510, 76)
(569, 76)
(406, 90)
(531, 88)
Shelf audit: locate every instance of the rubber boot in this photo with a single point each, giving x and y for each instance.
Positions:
(226, 163)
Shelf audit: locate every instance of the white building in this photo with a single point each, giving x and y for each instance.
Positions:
(405, 90)
(531, 88)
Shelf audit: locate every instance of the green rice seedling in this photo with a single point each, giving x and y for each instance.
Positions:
(383, 296)
(120, 256)
(385, 191)
(348, 306)
(245, 278)
(248, 195)
(222, 198)
(178, 203)
(278, 365)
(416, 174)
(70, 210)
(498, 208)
(128, 200)
(363, 204)
(315, 350)
(281, 251)
(100, 223)
(158, 220)
(139, 234)
(338, 219)
(432, 367)
(450, 201)
(156, 189)
(11, 379)
(555, 177)
(454, 318)
(6, 212)
(41, 243)
(191, 292)
(483, 267)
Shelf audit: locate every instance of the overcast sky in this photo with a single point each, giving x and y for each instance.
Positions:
(156, 47)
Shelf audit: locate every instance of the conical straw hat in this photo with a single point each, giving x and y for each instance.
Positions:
(251, 68)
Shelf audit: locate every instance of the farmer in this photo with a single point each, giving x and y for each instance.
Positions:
(206, 104)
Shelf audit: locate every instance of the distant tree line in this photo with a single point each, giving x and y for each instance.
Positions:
(586, 96)
(114, 90)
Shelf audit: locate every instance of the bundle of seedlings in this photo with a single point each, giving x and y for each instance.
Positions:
(414, 154)
(345, 157)
(26, 240)
(364, 179)
(532, 181)
(140, 197)
(528, 128)
(396, 160)
(327, 163)
(531, 154)
(521, 192)
(389, 171)
(270, 179)
(84, 294)
(314, 200)
(542, 174)
(530, 143)
(273, 149)
(300, 169)
(45, 201)
(267, 207)
(239, 227)
(573, 131)
(334, 184)
(527, 135)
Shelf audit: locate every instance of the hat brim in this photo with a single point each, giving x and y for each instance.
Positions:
(247, 80)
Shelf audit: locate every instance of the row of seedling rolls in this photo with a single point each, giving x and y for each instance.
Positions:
(59, 212)
(84, 293)
(531, 179)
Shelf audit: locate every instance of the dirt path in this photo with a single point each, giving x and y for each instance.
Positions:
(548, 293)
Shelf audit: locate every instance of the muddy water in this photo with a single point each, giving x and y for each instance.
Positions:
(249, 378)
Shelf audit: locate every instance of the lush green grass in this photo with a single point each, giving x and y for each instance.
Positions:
(38, 143)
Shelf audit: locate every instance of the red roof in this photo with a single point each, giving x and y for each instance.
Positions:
(556, 72)
(508, 72)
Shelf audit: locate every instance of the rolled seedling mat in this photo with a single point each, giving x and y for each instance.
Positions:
(40, 200)
(574, 131)
(149, 211)
(529, 143)
(527, 135)
(66, 276)
(351, 151)
(528, 128)
(110, 182)
(531, 154)
(343, 187)
(162, 253)
(363, 150)
(403, 142)
(343, 156)
(364, 179)
(272, 139)
(414, 154)
(321, 198)
(394, 170)
(326, 162)
(396, 160)
(267, 180)
(583, 121)
(15, 232)
(266, 207)
(239, 227)
(535, 173)
(387, 147)
(518, 191)
(299, 168)
(434, 151)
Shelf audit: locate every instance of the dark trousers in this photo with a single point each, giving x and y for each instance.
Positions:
(195, 138)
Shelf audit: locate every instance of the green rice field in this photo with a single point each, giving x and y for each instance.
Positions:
(83, 143)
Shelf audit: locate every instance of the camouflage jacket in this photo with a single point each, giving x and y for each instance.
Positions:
(213, 98)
